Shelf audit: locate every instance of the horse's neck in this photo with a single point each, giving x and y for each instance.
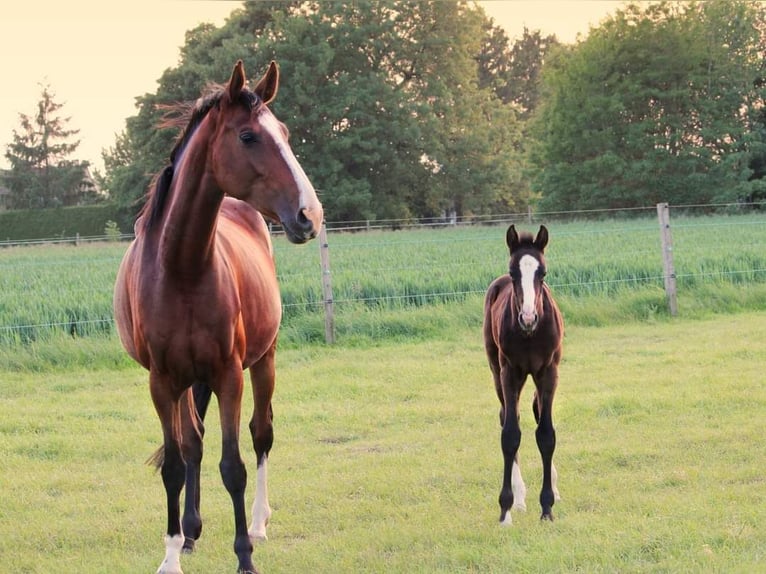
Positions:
(188, 237)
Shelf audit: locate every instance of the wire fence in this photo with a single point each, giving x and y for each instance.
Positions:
(52, 286)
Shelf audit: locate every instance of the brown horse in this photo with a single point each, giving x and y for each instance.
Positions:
(523, 332)
(196, 299)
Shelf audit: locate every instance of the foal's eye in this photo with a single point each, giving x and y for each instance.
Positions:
(248, 138)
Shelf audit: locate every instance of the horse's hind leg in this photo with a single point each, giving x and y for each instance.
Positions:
(262, 375)
(193, 408)
(167, 405)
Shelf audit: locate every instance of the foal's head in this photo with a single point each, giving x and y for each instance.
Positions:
(251, 158)
(527, 270)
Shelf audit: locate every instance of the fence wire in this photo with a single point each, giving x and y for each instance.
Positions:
(367, 254)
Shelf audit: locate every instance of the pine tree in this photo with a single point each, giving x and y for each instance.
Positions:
(40, 174)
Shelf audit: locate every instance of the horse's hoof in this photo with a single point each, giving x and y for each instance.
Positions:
(522, 506)
(505, 518)
(547, 517)
(188, 547)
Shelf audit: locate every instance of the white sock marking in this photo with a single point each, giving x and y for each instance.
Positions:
(172, 562)
(518, 487)
(261, 508)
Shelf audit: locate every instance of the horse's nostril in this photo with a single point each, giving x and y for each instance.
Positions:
(303, 219)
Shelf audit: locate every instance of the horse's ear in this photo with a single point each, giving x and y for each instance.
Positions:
(511, 238)
(268, 85)
(542, 238)
(237, 81)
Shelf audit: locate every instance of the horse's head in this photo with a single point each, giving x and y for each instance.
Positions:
(527, 270)
(251, 158)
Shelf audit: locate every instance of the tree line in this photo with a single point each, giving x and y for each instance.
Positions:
(402, 109)
(41, 174)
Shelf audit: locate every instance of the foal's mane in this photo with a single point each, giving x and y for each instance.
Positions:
(187, 116)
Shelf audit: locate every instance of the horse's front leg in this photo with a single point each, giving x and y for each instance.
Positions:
(167, 404)
(546, 439)
(262, 375)
(510, 439)
(233, 471)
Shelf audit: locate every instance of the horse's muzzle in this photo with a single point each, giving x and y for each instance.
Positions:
(305, 226)
(528, 322)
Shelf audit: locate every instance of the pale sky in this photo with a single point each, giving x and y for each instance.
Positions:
(97, 57)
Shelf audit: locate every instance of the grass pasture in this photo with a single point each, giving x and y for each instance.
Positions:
(387, 459)
(601, 272)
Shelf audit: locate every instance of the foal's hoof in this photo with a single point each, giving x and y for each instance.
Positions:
(188, 546)
(547, 516)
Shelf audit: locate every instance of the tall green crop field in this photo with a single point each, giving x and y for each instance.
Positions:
(601, 271)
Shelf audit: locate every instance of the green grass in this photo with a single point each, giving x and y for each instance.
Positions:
(602, 272)
(387, 459)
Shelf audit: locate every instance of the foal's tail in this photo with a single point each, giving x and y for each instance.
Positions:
(198, 397)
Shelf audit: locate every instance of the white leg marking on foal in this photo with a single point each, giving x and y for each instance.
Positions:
(519, 488)
(507, 520)
(172, 562)
(261, 508)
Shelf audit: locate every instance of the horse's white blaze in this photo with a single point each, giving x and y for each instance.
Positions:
(308, 197)
(172, 562)
(261, 508)
(528, 266)
(518, 487)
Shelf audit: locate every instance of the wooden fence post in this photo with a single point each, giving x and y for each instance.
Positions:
(669, 270)
(329, 317)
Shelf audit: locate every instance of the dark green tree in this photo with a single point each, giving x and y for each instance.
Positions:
(657, 104)
(382, 99)
(40, 174)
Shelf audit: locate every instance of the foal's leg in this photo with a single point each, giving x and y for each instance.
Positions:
(510, 439)
(262, 375)
(546, 439)
(554, 472)
(193, 408)
(233, 472)
(167, 404)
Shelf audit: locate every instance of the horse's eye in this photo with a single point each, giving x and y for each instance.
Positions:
(248, 138)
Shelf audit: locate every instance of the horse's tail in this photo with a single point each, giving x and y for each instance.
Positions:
(157, 458)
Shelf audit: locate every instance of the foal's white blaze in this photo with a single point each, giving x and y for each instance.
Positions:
(261, 508)
(172, 562)
(308, 198)
(528, 266)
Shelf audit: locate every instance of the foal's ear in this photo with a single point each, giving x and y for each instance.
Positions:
(267, 86)
(237, 81)
(542, 238)
(511, 238)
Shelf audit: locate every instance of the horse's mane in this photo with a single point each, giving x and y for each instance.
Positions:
(188, 116)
